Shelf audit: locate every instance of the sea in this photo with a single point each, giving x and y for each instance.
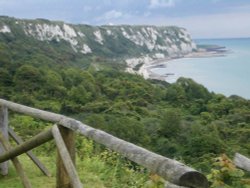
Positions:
(227, 75)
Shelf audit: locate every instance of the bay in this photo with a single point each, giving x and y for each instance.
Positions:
(228, 75)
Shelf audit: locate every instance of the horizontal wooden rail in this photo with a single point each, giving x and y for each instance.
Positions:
(242, 162)
(169, 169)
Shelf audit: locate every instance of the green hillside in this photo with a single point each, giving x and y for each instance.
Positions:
(182, 120)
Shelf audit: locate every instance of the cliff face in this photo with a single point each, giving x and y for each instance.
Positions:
(108, 41)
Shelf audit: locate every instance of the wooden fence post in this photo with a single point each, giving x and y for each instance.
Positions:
(64, 154)
(62, 178)
(4, 130)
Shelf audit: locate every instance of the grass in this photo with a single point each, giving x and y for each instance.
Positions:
(39, 180)
(93, 172)
(35, 176)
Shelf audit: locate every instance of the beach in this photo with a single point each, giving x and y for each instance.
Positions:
(148, 63)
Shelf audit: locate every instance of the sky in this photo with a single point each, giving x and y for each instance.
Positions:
(202, 18)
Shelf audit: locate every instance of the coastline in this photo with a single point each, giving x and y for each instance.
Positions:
(225, 73)
(149, 63)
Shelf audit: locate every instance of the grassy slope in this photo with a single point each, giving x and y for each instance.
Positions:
(37, 179)
(89, 178)
(93, 172)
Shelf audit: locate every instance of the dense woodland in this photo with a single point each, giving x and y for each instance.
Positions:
(182, 120)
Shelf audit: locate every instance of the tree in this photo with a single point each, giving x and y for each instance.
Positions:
(54, 85)
(28, 78)
(193, 90)
(79, 95)
(5, 77)
(171, 123)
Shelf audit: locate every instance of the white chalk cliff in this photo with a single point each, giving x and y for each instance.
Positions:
(124, 40)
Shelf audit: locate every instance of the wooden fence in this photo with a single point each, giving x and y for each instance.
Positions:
(63, 133)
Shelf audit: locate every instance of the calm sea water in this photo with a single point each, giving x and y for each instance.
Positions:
(228, 75)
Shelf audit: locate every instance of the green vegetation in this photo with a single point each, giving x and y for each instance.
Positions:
(107, 169)
(182, 120)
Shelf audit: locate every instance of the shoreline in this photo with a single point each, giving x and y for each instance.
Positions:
(147, 73)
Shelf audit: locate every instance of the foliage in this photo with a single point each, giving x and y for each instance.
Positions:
(184, 126)
(182, 120)
(225, 174)
(94, 172)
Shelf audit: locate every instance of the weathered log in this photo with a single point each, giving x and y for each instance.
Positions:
(16, 163)
(171, 170)
(4, 130)
(27, 145)
(242, 162)
(30, 154)
(33, 112)
(66, 158)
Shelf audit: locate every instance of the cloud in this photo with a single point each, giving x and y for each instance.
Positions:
(222, 25)
(87, 8)
(147, 14)
(215, 1)
(161, 3)
(112, 14)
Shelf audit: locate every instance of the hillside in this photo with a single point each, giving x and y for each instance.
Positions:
(108, 41)
(47, 70)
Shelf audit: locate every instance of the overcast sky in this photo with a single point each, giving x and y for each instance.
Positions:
(202, 18)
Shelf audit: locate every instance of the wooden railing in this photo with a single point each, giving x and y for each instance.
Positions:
(63, 133)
